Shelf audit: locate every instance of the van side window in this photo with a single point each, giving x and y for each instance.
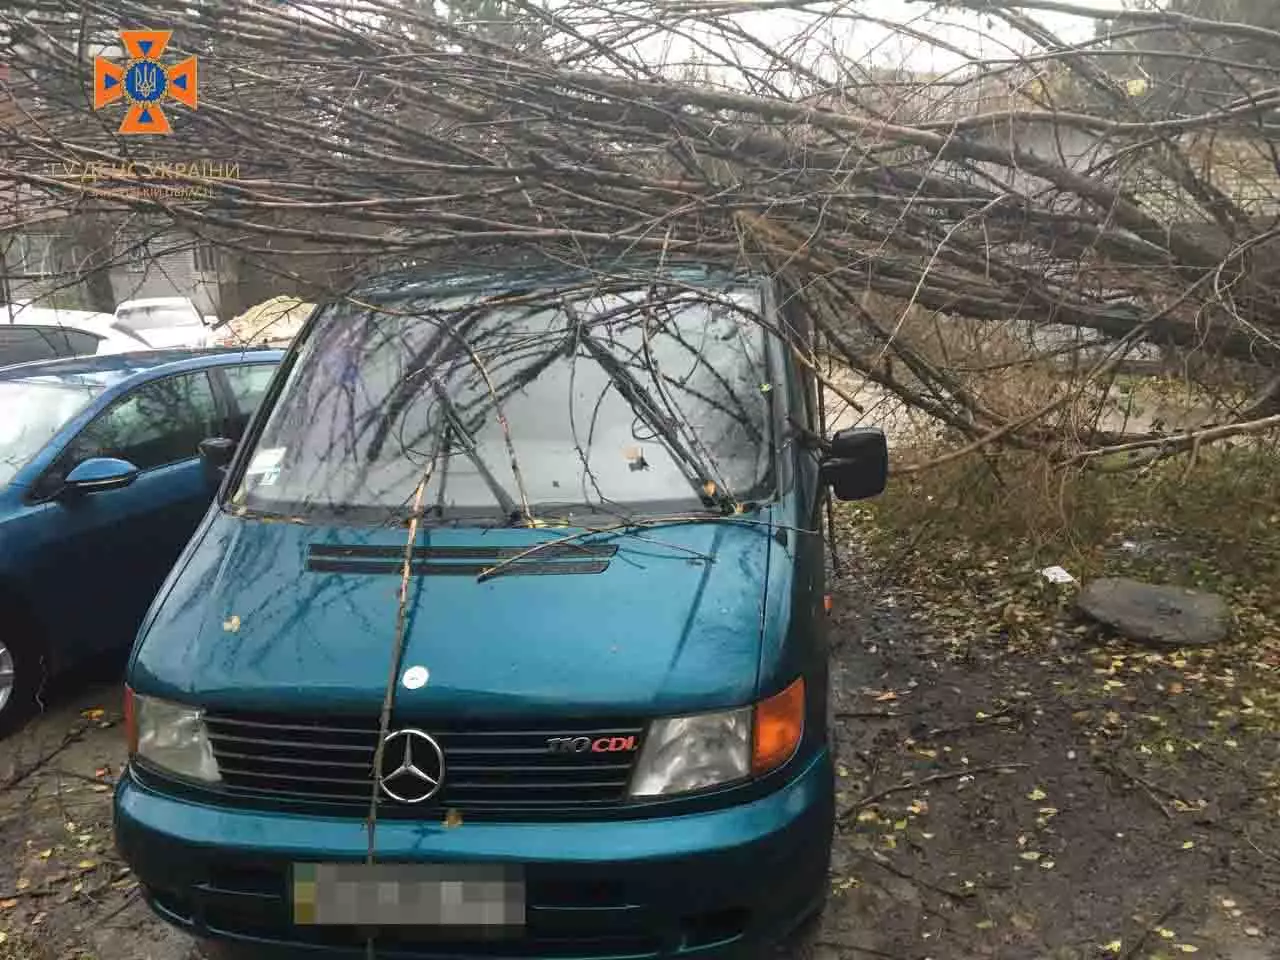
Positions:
(159, 423)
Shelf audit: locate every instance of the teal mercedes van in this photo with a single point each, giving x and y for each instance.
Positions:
(504, 635)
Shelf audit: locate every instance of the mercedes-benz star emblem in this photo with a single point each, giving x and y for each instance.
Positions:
(412, 766)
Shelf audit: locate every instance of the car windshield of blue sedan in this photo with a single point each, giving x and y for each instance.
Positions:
(33, 413)
(520, 406)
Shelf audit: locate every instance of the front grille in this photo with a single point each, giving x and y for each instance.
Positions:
(488, 767)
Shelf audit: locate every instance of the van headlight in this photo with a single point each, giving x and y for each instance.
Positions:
(689, 753)
(170, 736)
(682, 754)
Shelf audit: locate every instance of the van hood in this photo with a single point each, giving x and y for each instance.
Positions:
(284, 617)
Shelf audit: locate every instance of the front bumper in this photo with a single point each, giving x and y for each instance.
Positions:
(701, 884)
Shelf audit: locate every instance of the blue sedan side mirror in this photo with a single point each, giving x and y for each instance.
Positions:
(100, 473)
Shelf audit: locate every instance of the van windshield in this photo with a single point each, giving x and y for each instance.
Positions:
(626, 402)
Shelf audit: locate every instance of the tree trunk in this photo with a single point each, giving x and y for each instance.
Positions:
(92, 243)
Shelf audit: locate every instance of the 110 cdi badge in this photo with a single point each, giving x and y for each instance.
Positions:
(598, 745)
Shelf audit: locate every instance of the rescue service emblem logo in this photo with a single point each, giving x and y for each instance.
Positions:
(144, 82)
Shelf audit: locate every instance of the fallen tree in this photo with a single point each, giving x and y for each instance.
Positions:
(945, 231)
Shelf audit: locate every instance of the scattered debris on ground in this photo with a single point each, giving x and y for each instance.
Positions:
(1021, 781)
(63, 891)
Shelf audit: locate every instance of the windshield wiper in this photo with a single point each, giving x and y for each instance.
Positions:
(695, 471)
(505, 501)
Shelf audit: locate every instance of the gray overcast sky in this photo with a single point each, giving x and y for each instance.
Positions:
(978, 34)
(970, 31)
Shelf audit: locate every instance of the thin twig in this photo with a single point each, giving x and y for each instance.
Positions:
(1160, 921)
(68, 739)
(897, 871)
(397, 655)
(926, 781)
(1148, 788)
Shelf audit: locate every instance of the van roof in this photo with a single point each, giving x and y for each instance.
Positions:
(539, 272)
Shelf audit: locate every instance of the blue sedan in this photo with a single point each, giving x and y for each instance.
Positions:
(101, 485)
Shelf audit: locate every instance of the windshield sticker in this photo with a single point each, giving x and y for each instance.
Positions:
(266, 461)
(635, 459)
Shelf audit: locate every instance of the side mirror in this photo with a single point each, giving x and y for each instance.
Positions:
(100, 473)
(215, 456)
(857, 463)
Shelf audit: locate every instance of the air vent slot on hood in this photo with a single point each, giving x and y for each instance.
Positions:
(559, 558)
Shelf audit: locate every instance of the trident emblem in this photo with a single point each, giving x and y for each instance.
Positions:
(144, 82)
(147, 80)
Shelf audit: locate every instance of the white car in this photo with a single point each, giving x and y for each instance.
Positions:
(164, 322)
(110, 336)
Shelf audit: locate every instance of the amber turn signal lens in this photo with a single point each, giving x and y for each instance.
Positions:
(130, 721)
(779, 725)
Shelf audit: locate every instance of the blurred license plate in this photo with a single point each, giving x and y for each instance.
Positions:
(428, 895)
